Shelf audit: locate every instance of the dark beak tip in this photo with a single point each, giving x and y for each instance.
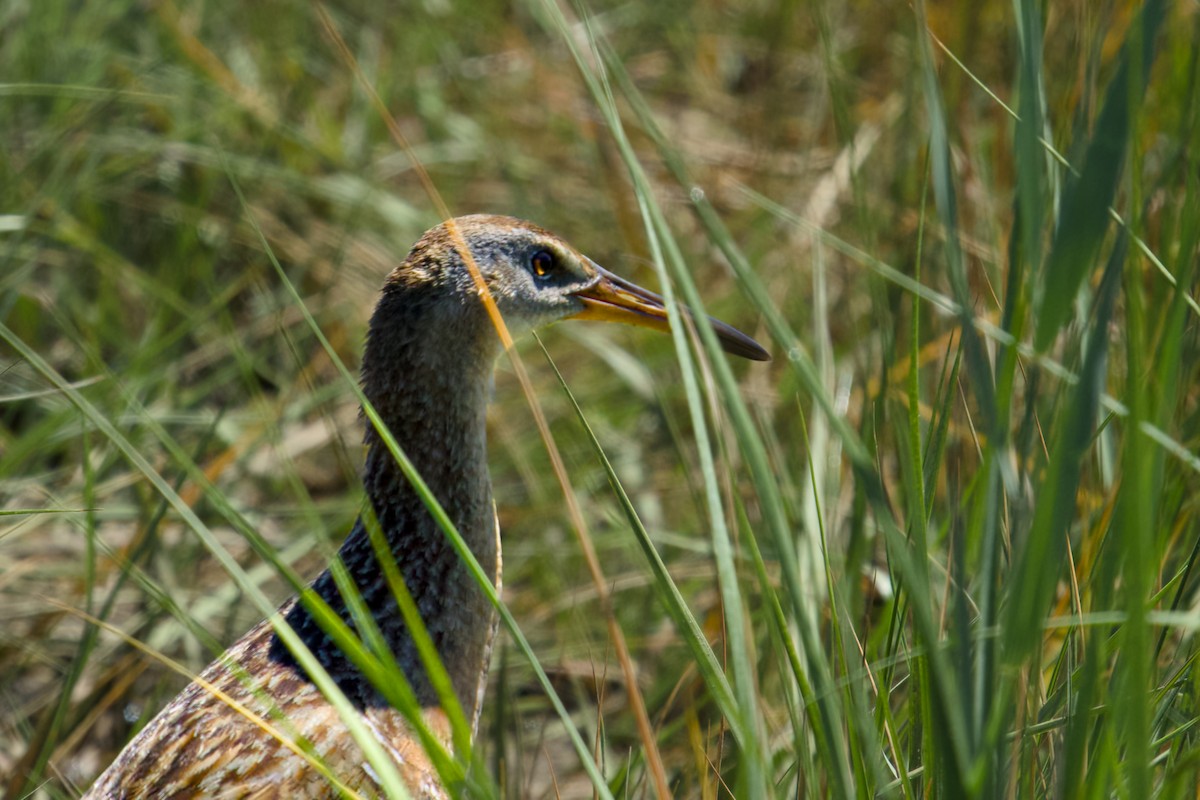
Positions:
(739, 344)
(753, 353)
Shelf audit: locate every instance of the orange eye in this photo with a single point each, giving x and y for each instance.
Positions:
(542, 263)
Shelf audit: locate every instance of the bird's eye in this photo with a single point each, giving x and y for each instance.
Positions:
(542, 263)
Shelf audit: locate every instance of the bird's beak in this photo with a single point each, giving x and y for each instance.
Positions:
(610, 298)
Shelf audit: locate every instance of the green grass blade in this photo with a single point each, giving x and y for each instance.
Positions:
(1083, 219)
(1041, 559)
(672, 599)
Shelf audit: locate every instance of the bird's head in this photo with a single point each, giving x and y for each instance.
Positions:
(535, 278)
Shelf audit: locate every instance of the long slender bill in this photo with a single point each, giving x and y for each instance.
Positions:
(611, 298)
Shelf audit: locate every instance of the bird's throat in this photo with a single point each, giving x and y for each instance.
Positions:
(434, 403)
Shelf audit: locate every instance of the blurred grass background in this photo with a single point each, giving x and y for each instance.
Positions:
(953, 520)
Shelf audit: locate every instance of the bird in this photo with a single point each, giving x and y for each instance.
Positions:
(427, 369)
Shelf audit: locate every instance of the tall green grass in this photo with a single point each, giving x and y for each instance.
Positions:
(942, 546)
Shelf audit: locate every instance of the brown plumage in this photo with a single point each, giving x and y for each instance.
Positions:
(427, 368)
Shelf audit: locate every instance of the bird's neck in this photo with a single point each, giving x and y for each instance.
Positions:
(430, 387)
